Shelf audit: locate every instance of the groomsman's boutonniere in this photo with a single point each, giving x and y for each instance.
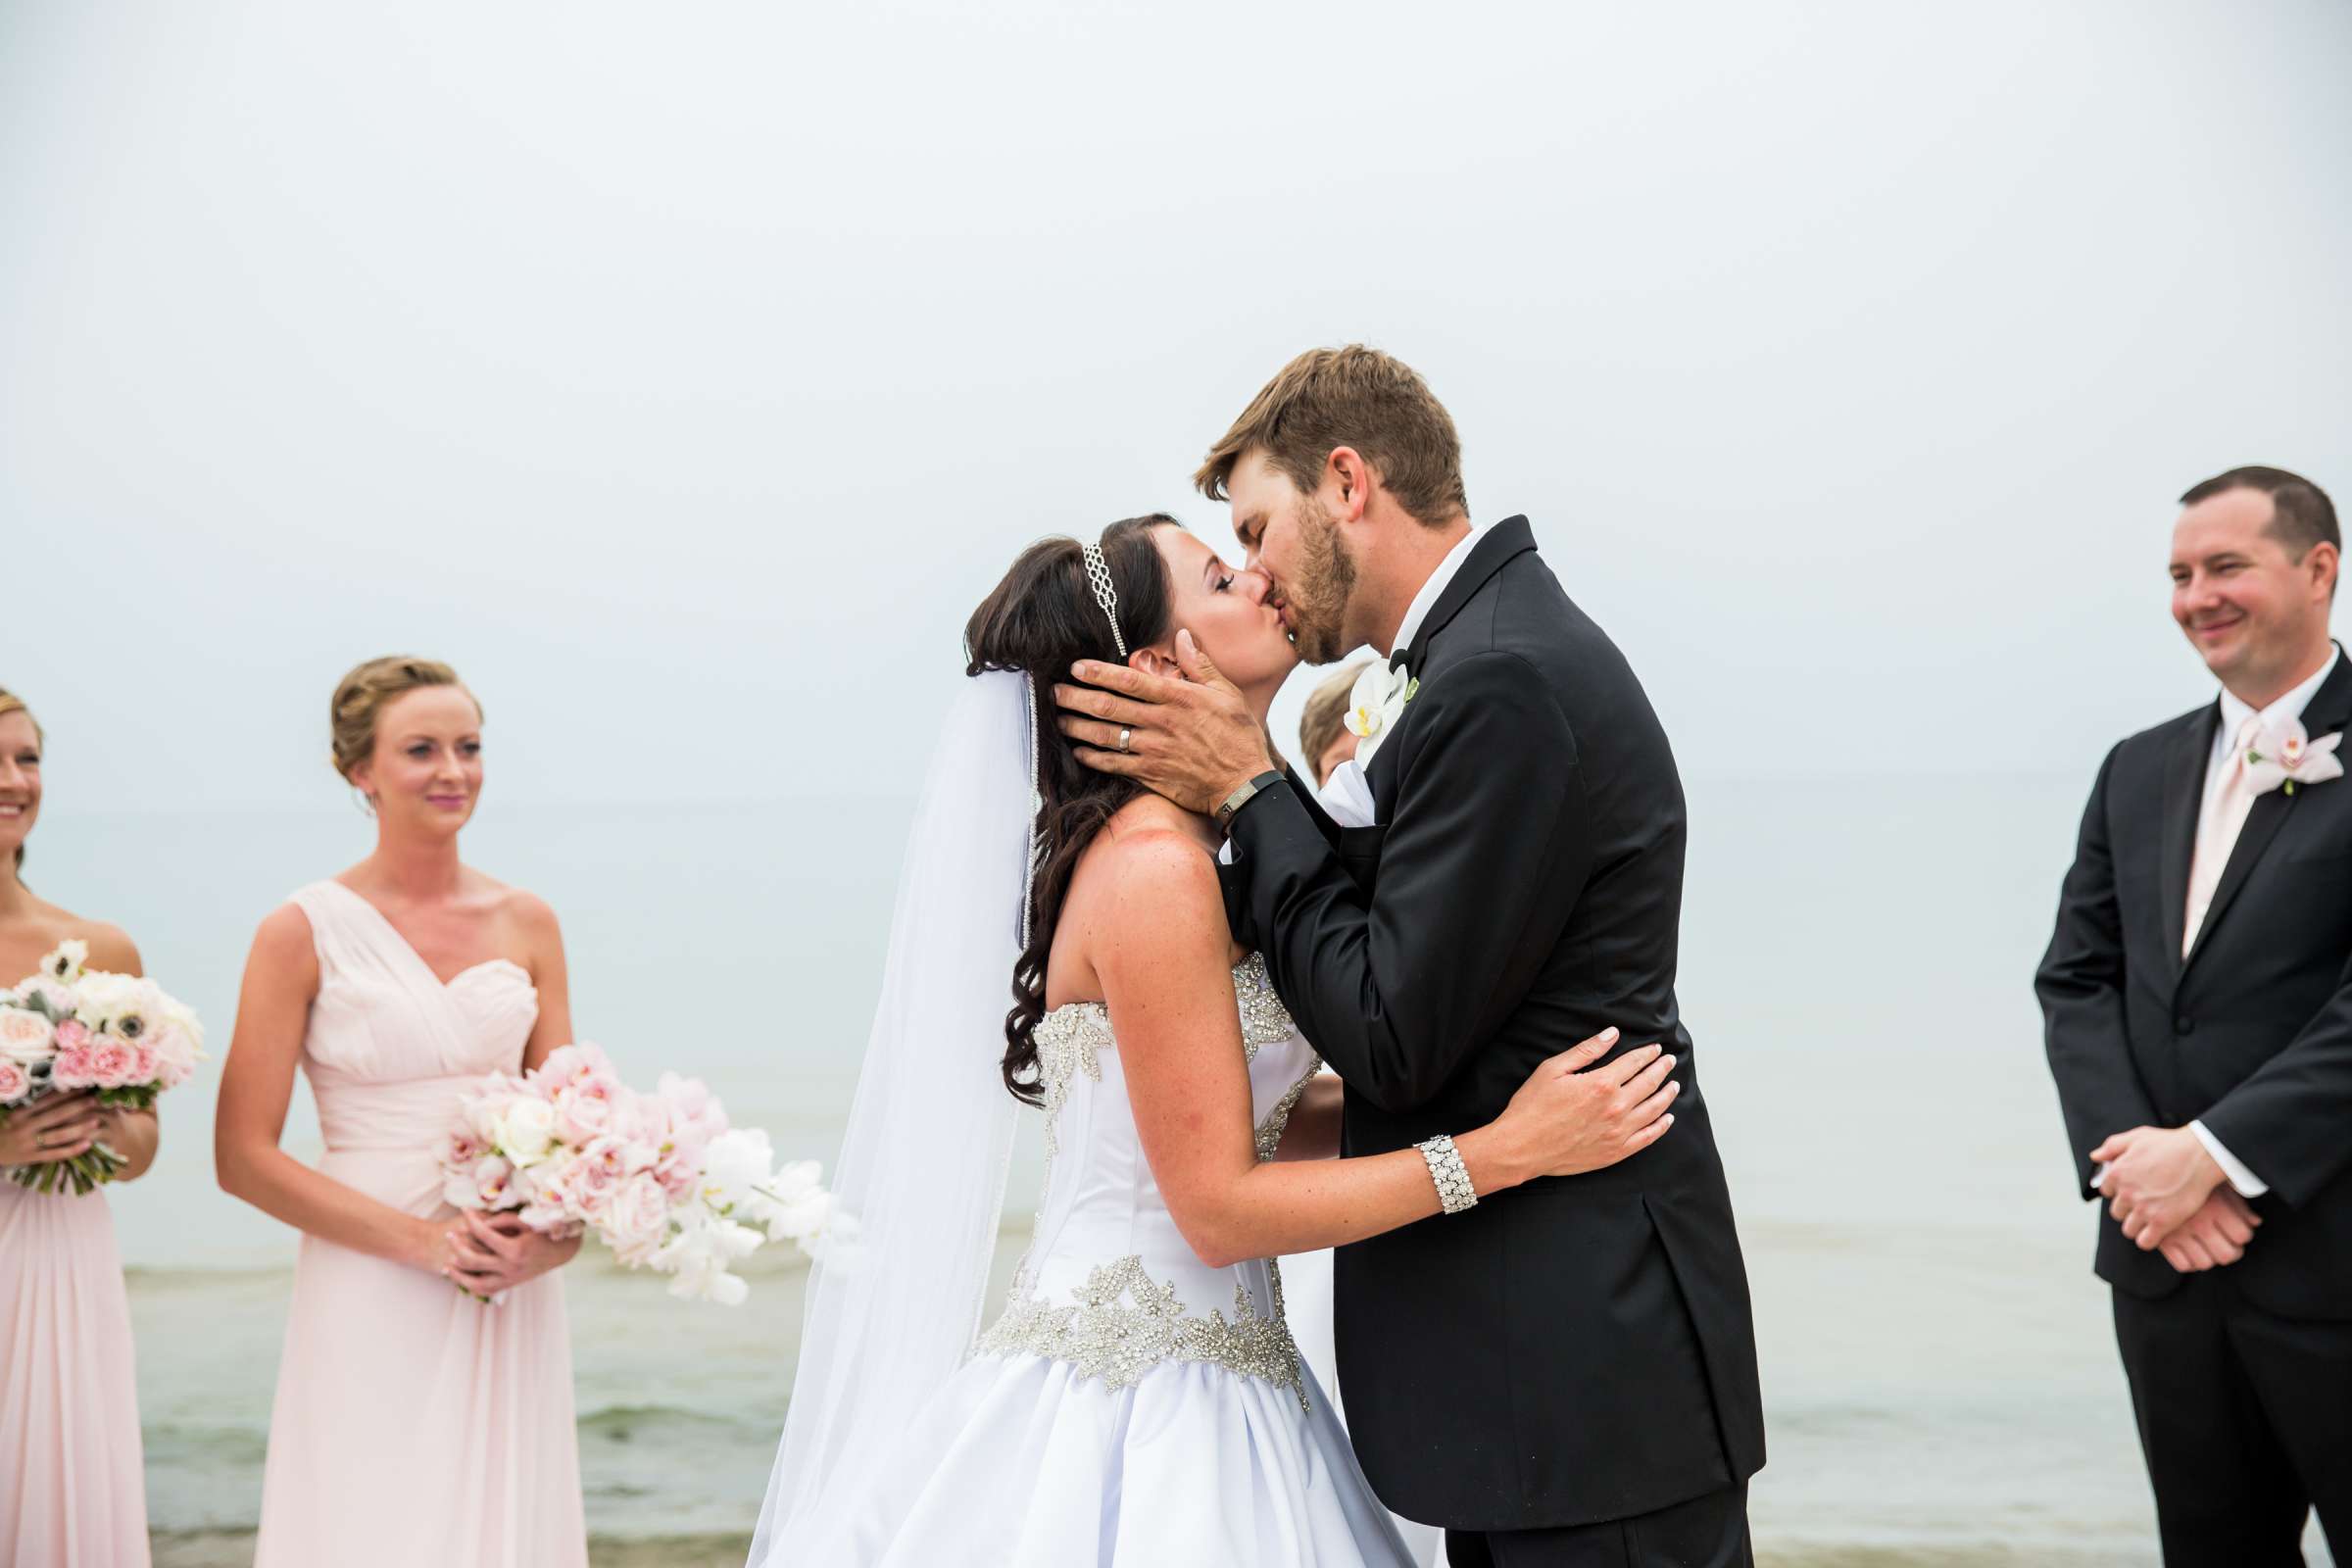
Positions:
(2288, 757)
(1375, 705)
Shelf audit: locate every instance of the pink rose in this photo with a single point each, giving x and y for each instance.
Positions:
(593, 1185)
(583, 1109)
(15, 1082)
(146, 1065)
(637, 1220)
(175, 1054)
(695, 1112)
(71, 1033)
(111, 1065)
(76, 1068)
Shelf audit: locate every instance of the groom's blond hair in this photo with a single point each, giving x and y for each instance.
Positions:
(1350, 397)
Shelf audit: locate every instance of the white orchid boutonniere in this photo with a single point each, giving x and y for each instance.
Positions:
(1375, 705)
(2287, 758)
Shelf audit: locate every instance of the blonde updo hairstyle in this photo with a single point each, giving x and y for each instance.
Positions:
(11, 702)
(362, 697)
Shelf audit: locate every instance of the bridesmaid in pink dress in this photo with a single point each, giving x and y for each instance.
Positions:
(71, 1487)
(413, 1424)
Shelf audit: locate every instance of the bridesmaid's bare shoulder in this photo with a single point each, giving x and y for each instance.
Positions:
(285, 938)
(111, 947)
(525, 915)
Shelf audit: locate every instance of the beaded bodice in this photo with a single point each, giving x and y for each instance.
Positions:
(1109, 1284)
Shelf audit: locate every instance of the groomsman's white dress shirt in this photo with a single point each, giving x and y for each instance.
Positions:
(2234, 713)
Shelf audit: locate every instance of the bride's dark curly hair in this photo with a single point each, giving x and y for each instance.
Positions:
(1041, 620)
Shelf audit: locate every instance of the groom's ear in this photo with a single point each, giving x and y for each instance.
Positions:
(1347, 485)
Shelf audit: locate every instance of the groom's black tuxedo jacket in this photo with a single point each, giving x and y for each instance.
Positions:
(2251, 1035)
(1574, 1350)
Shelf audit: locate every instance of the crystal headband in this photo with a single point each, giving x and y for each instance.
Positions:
(1098, 573)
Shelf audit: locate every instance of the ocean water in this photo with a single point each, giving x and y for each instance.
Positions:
(1939, 1373)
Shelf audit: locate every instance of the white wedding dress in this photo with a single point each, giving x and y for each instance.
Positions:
(1132, 1406)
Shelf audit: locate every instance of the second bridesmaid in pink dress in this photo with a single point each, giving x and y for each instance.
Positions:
(71, 1489)
(413, 1424)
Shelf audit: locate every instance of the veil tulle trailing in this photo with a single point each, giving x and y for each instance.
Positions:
(924, 1164)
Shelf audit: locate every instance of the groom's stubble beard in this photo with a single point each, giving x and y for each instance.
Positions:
(1317, 596)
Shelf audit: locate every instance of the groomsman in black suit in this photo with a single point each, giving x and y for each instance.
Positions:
(2198, 1004)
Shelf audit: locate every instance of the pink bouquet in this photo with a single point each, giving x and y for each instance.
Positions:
(660, 1178)
(67, 1028)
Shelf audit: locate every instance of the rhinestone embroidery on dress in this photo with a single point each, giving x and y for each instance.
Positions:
(1265, 1021)
(1069, 1042)
(1124, 1323)
(1269, 1131)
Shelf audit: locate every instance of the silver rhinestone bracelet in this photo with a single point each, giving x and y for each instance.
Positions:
(1446, 1170)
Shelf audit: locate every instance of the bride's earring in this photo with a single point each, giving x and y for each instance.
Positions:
(362, 799)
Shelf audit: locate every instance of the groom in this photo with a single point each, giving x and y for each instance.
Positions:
(2198, 1004)
(1564, 1374)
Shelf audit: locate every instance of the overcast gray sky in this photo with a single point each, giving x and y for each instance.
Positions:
(685, 373)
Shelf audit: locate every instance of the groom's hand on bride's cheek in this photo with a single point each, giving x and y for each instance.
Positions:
(1194, 740)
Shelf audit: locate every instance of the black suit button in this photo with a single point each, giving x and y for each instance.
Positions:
(2183, 1024)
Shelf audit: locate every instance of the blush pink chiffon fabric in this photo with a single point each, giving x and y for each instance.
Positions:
(413, 1424)
(73, 1489)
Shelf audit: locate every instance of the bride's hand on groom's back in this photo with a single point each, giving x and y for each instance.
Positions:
(1572, 1116)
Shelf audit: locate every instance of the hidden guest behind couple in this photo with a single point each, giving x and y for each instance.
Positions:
(1542, 1316)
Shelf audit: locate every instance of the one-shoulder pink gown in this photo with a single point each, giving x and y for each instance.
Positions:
(414, 1425)
(72, 1486)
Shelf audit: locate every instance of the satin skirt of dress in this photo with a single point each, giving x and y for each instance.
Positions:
(73, 1487)
(1027, 1463)
(413, 1424)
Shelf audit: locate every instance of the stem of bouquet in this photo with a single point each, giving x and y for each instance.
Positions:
(85, 1172)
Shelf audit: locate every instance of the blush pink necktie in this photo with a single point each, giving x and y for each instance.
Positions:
(2216, 834)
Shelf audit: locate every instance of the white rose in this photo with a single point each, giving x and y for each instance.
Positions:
(24, 1036)
(526, 1130)
(183, 1018)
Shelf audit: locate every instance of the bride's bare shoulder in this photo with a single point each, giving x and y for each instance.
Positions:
(1149, 836)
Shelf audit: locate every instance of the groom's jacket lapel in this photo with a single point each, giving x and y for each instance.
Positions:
(1510, 537)
(2330, 709)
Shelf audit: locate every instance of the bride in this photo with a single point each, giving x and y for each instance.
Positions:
(1138, 1401)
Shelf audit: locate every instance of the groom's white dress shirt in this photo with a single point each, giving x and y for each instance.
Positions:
(2235, 711)
(1347, 795)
